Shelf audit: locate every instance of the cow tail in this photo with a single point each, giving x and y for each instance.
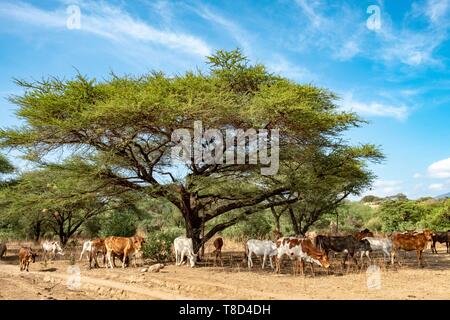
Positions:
(245, 251)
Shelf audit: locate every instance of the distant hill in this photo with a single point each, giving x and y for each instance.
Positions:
(443, 196)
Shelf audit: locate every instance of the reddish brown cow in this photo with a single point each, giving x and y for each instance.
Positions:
(97, 246)
(26, 255)
(123, 246)
(410, 242)
(218, 244)
(363, 234)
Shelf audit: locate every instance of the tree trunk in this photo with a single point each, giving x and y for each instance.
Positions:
(193, 230)
(277, 220)
(294, 220)
(37, 231)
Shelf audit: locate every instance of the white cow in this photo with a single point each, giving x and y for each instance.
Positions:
(265, 248)
(52, 247)
(382, 244)
(87, 247)
(183, 247)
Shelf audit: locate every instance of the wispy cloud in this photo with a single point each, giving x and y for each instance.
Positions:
(108, 22)
(233, 29)
(344, 34)
(281, 66)
(374, 108)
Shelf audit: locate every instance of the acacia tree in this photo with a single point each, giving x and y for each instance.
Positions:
(125, 124)
(60, 198)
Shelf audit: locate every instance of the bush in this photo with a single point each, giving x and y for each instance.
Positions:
(158, 244)
(119, 224)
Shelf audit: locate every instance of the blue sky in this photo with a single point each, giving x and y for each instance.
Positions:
(396, 74)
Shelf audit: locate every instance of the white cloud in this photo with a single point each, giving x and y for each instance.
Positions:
(374, 108)
(436, 186)
(417, 176)
(106, 21)
(440, 169)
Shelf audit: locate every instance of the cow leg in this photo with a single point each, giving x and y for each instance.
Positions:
(109, 254)
(420, 258)
(312, 269)
(264, 261)
(125, 254)
(249, 260)
(302, 265)
(271, 262)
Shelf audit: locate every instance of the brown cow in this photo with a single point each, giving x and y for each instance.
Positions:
(218, 244)
(363, 234)
(123, 246)
(97, 246)
(410, 242)
(26, 255)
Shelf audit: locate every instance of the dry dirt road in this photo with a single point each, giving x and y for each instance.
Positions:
(233, 281)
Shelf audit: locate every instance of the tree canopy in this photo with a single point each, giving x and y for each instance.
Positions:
(123, 126)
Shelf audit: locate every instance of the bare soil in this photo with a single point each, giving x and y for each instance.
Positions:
(232, 281)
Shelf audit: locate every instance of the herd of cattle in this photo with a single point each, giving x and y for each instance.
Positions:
(312, 249)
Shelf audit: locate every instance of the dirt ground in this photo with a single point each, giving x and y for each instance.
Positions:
(232, 281)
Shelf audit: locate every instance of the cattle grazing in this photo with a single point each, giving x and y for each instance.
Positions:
(218, 244)
(2, 250)
(363, 234)
(441, 237)
(52, 247)
(26, 255)
(128, 247)
(411, 242)
(282, 248)
(261, 248)
(301, 250)
(346, 244)
(183, 247)
(382, 244)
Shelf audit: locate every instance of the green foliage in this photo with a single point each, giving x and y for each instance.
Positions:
(158, 244)
(118, 223)
(410, 215)
(353, 216)
(259, 225)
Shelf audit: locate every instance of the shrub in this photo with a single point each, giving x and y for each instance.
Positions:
(158, 244)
